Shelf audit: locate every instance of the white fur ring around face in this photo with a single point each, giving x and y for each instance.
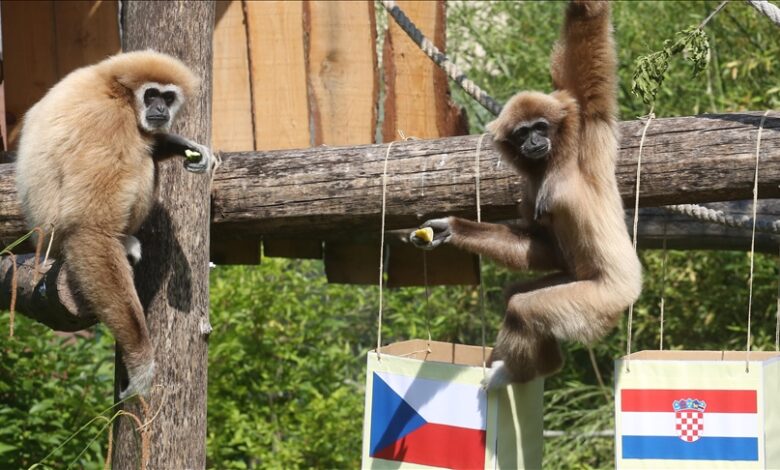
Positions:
(497, 376)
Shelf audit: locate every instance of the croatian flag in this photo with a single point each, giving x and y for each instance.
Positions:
(427, 422)
(689, 424)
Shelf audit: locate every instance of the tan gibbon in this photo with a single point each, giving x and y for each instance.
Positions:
(565, 145)
(85, 173)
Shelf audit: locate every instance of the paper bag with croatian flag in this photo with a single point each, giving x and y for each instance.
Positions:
(426, 408)
(698, 409)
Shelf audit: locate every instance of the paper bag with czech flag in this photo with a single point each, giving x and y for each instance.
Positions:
(697, 409)
(426, 408)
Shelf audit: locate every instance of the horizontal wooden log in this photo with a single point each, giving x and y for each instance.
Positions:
(43, 294)
(333, 193)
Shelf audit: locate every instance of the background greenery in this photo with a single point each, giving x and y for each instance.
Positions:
(287, 355)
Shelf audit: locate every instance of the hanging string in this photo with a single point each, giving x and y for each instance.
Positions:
(650, 116)
(753, 240)
(427, 299)
(777, 314)
(382, 252)
(663, 289)
(479, 259)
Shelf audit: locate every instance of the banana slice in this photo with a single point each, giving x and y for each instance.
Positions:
(424, 234)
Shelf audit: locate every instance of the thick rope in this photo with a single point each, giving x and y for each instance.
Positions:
(382, 252)
(479, 259)
(440, 59)
(650, 116)
(753, 240)
(719, 217)
(767, 9)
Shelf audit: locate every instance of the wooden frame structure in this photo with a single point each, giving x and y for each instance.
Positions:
(330, 193)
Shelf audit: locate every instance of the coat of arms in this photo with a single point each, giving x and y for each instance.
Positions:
(689, 418)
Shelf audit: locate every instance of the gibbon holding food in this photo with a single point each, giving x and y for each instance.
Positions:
(565, 145)
(85, 173)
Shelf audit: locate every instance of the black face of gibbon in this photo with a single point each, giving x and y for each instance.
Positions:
(531, 139)
(158, 106)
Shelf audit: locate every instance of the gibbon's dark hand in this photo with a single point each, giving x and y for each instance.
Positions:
(201, 165)
(442, 233)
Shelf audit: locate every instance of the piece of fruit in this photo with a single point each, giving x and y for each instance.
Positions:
(424, 234)
(192, 155)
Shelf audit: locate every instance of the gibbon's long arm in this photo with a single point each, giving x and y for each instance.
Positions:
(513, 247)
(170, 145)
(584, 61)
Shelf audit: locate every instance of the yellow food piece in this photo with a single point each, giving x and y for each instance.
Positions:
(191, 155)
(424, 234)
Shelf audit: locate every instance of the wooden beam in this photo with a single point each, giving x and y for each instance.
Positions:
(43, 294)
(173, 277)
(335, 192)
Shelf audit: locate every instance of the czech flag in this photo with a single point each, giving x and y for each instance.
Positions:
(427, 422)
(703, 425)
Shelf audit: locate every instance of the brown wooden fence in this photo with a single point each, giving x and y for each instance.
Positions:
(286, 74)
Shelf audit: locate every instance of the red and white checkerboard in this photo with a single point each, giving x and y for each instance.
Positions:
(689, 425)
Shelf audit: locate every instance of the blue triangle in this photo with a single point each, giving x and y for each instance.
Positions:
(391, 417)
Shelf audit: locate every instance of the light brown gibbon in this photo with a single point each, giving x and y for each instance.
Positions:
(85, 173)
(565, 145)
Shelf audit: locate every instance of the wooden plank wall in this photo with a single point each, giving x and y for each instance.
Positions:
(280, 102)
(344, 82)
(417, 104)
(231, 111)
(45, 40)
(287, 74)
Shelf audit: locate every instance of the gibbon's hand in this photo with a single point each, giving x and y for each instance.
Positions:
(542, 206)
(442, 233)
(589, 8)
(198, 165)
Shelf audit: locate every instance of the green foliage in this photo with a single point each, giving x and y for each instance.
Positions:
(651, 68)
(50, 386)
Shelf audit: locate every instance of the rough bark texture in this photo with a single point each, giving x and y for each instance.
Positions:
(335, 192)
(42, 294)
(172, 280)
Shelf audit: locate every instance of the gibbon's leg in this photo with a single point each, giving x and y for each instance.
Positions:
(583, 311)
(132, 249)
(515, 248)
(517, 358)
(103, 276)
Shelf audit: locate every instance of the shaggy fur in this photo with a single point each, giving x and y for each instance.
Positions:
(85, 172)
(581, 233)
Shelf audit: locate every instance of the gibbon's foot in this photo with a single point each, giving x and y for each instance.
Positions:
(442, 233)
(140, 381)
(132, 249)
(498, 376)
(204, 164)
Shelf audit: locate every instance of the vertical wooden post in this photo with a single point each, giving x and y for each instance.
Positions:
(172, 280)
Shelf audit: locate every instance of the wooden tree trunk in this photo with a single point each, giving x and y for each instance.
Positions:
(172, 279)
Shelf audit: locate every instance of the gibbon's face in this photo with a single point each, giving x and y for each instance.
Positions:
(157, 106)
(525, 131)
(531, 139)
